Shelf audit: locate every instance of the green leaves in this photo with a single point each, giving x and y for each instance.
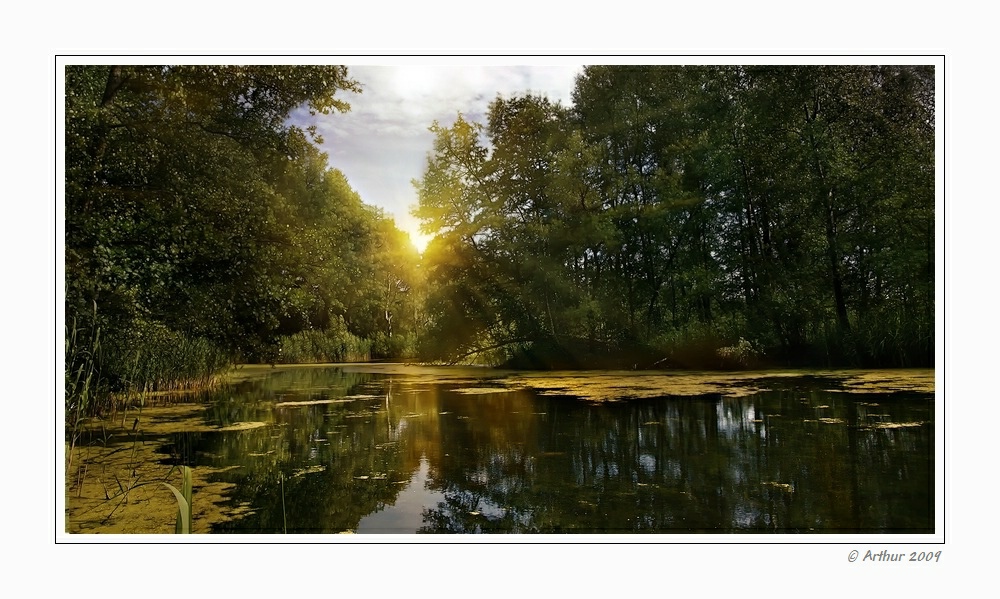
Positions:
(192, 203)
(775, 204)
(184, 508)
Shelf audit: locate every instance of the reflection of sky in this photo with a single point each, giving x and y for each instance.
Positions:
(381, 145)
(648, 463)
(734, 419)
(405, 515)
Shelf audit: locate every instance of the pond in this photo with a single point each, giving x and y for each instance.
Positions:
(406, 449)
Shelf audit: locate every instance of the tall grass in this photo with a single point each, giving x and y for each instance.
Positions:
(85, 390)
(704, 346)
(150, 356)
(317, 346)
(879, 340)
(893, 340)
(110, 365)
(396, 347)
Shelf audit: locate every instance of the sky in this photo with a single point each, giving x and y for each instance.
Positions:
(382, 143)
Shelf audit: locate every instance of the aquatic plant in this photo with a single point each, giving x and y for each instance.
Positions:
(284, 515)
(111, 365)
(84, 386)
(151, 356)
(335, 344)
(183, 496)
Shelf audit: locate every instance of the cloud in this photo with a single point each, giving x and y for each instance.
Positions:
(381, 145)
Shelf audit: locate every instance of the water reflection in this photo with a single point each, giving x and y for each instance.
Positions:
(360, 452)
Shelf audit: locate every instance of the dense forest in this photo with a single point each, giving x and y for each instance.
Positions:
(683, 217)
(690, 216)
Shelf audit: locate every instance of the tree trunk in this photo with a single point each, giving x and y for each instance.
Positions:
(834, 259)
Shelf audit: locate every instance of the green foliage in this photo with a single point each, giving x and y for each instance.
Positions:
(743, 353)
(209, 229)
(184, 505)
(676, 213)
(669, 214)
(335, 344)
(84, 390)
(150, 356)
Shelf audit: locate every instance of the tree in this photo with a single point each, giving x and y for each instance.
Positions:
(456, 205)
(176, 197)
(676, 213)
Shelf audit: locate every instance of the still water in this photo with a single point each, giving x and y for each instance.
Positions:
(372, 449)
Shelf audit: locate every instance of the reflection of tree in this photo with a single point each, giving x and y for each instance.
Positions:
(773, 462)
(782, 461)
(320, 467)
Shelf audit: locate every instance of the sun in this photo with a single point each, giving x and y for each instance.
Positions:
(418, 80)
(419, 240)
(410, 225)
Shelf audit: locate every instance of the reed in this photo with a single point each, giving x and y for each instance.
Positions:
(895, 339)
(703, 346)
(284, 516)
(183, 496)
(112, 365)
(151, 356)
(84, 387)
(318, 346)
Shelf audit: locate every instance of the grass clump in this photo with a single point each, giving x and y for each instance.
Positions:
(85, 390)
(111, 365)
(316, 346)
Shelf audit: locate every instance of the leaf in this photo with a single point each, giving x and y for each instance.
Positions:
(183, 523)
